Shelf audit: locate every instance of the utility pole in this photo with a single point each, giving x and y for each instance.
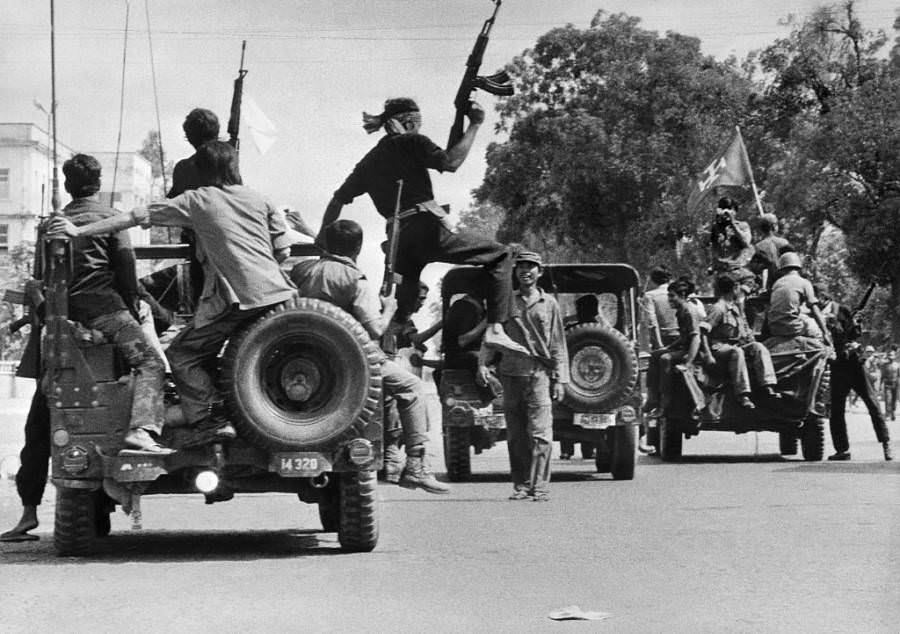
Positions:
(40, 106)
(54, 198)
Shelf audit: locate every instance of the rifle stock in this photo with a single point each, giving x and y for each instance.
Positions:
(390, 255)
(234, 119)
(497, 84)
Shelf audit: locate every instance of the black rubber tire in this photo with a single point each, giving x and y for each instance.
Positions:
(812, 440)
(603, 455)
(787, 444)
(457, 456)
(624, 451)
(670, 440)
(587, 451)
(358, 520)
(75, 525)
(346, 396)
(591, 387)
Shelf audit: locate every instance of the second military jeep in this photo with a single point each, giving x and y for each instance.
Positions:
(602, 401)
(322, 442)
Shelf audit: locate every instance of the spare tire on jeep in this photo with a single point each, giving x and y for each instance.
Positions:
(301, 376)
(603, 368)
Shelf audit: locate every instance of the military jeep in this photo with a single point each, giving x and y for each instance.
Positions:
(323, 443)
(602, 401)
(703, 399)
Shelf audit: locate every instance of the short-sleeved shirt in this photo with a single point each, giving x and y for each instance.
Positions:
(237, 231)
(890, 372)
(542, 321)
(337, 279)
(689, 321)
(789, 294)
(396, 156)
(659, 313)
(727, 323)
(767, 251)
(103, 274)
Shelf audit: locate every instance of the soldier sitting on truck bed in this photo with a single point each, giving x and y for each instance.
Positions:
(103, 296)
(734, 347)
(335, 278)
(238, 234)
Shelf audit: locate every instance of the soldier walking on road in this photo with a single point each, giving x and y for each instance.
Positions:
(890, 376)
(425, 237)
(530, 379)
(848, 373)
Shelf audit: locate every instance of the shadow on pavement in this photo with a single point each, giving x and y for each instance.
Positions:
(650, 461)
(839, 468)
(175, 546)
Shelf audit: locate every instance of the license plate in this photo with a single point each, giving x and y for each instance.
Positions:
(491, 421)
(299, 464)
(594, 421)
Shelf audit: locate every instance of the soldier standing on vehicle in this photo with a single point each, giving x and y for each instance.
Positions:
(683, 350)
(529, 380)
(659, 316)
(239, 236)
(734, 346)
(335, 278)
(406, 154)
(766, 251)
(848, 373)
(730, 242)
(890, 378)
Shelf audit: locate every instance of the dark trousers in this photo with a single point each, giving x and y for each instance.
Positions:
(193, 355)
(847, 374)
(31, 478)
(890, 399)
(425, 239)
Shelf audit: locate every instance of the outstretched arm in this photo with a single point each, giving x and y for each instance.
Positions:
(332, 213)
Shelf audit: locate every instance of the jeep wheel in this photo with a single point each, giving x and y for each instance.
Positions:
(75, 526)
(670, 439)
(358, 521)
(301, 376)
(787, 444)
(603, 368)
(624, 454)
(457, 457)
(812, 440)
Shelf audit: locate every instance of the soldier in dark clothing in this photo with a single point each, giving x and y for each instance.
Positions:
(405, 154)
(31, 478)
(848, 373)
(200, 127)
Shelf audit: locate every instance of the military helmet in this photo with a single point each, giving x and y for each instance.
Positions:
(790, 260)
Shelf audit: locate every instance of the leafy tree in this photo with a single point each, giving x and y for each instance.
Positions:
(606, 129)
(833, 103)
(15, 268)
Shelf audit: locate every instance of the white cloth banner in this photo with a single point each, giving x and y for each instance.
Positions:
(262, 131)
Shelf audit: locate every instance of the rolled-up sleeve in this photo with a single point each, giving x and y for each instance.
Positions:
(558, 350)
(168, 213)
(277, 228)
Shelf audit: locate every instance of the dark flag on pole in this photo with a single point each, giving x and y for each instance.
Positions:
(730, 168)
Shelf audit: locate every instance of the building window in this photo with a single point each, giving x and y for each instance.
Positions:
(4, 183)
(4, 237)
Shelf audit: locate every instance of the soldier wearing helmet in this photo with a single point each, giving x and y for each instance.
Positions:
(791, 294)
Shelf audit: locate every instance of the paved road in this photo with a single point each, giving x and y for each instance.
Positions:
(731, 540)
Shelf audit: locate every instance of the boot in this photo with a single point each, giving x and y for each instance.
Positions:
(418, 475)
(393, 463)
(888, 453)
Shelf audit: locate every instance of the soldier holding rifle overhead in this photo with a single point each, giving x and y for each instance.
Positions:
(404, 154)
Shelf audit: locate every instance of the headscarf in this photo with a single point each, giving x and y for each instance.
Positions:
(397, 113)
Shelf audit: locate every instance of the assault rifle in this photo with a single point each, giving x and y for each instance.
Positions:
(390, 253)
(496, 84)
(234, 120)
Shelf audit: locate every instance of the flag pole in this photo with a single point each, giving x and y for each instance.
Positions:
(749, 170)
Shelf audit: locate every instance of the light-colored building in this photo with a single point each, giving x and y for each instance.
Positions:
(26, 182)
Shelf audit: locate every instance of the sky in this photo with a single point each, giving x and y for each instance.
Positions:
(314, 66)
